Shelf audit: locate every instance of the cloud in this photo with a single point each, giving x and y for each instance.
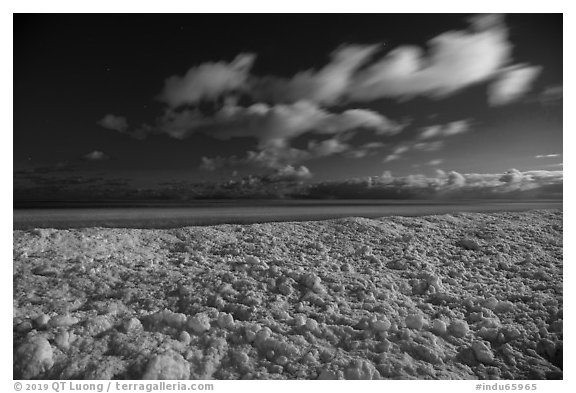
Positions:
(451, 62)
(512, 176)
(397, 152)
(548, 155)
(452, 185)
(326, 86)
(446, 130)
(96, 155)
(455, 180)
(113, 122)
(435, 162)
(207, 81)
(428, 146)
(512, 84)
(454, 60)
(327, 147)
(365, 150)
(273, 157)
(291, 173)
(405, 147)
(272, 125)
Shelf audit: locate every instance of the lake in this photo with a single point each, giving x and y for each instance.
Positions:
(246, 212)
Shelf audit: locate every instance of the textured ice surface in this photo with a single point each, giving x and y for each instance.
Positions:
(435, 297)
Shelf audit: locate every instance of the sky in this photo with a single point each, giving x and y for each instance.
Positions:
(113, 106)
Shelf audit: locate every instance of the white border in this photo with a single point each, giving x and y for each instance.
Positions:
(243, 6)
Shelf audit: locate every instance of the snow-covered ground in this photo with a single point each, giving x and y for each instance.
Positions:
(444, 297)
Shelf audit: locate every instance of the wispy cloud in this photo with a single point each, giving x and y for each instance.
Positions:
(548, 155)
(276, 110)
(208, 81)
(272, 125)
(397, 152)
(326, 86)
(453, 60)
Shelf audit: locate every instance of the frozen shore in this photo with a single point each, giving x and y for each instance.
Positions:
(435, 297)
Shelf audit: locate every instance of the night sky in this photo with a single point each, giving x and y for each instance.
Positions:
(191, 105)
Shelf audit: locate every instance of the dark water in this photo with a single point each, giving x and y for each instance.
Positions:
(245, 212)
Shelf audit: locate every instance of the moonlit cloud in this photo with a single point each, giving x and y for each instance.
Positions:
(328, 103)
(325, 86)
(512, 84)
(207, 81)
(548, 155)
(451, 62)
(454, 60)
(272, 125)
(113, 122)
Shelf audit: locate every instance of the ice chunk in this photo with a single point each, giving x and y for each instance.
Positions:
(312, 281)
(184, 337)
(32, 358)
(482, 352)
(469, 244)
(415, 321)
(491, 303)
(225, 321)
(62, 320)
(97, 325)
(132, 325)
(361, 369)
(262, 335)
(41, 321)
(63, 339)
(381, 325)
(167, 318)
(488, 334)
(252, 260)
(504, 307)
(199, 323)
(170, 365)
(439, 327)
(458, 328)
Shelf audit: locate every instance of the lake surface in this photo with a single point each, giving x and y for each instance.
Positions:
(246, 212)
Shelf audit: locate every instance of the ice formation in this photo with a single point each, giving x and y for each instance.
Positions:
(436, 297)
